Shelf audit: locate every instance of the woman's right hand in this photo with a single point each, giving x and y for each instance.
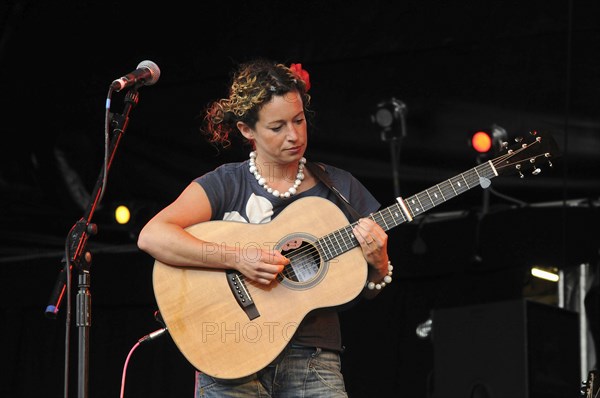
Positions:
(260, 265)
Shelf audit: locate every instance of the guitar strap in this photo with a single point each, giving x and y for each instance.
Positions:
(321, 175)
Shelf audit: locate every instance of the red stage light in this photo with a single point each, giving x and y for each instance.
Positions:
(481, 141)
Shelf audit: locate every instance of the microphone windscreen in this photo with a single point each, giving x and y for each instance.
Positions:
(154, 71)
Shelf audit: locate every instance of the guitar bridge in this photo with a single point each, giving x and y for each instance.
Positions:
(241, 294)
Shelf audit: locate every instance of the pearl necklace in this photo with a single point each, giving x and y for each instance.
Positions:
(263, 182)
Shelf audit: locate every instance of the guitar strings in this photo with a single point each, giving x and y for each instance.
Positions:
(446, 189)
(386, 218)
(303, 259)
(341, 236)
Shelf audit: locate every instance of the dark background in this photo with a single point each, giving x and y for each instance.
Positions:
(458, 66)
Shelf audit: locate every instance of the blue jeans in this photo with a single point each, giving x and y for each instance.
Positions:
(305, 372)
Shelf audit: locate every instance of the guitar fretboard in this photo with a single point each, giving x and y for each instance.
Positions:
(342, 240)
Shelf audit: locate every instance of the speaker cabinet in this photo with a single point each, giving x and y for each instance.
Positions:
(512, 349)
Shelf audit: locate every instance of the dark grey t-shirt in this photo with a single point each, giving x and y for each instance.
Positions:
(235, 195)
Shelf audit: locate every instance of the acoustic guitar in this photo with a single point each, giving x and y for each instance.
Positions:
(229, 327)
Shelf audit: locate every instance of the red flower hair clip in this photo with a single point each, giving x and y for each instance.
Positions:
(302, 74)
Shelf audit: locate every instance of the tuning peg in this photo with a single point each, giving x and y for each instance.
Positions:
(536, 170)
(518, 167)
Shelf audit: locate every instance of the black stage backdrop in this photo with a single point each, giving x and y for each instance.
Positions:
(458, 67)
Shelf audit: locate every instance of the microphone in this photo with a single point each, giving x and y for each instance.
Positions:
(147, 73)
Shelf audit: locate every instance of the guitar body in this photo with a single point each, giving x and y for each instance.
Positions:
(211, 327)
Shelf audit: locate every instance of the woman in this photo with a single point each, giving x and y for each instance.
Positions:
(268, 105)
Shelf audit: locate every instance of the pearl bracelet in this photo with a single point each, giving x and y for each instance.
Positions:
(386, 279)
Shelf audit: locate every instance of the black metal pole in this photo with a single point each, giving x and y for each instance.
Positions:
(395, 151)
(84, 297)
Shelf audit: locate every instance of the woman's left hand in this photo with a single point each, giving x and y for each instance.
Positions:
(373, 242)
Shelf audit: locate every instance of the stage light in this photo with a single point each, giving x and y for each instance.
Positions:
(128, 216)
(122, 214)
(481, 141)
(488, 140)
(545, 273)
(389, 116)
(122, 219)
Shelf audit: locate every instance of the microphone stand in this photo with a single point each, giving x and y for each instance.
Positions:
(395, 140)
(395, 153)
(80, 259)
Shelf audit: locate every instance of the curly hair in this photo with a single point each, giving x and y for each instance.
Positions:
(252, 86)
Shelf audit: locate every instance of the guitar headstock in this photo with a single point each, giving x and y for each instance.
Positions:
(528, 155)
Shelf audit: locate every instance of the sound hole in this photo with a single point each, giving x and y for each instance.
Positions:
(304, 260)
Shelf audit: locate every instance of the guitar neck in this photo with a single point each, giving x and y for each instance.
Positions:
(342, 240)
(446, 190)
